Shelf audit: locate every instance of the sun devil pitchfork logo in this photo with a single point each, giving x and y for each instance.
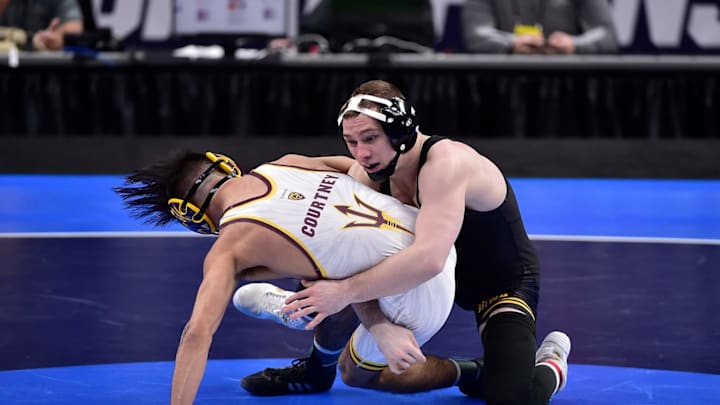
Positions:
(369, 216)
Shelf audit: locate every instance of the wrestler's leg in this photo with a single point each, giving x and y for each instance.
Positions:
(435, 373)
(512, 372)
(315, 373)
(358, 370)
(509, 356)
(422, 310)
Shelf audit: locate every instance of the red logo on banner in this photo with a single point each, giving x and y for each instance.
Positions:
(235, 4)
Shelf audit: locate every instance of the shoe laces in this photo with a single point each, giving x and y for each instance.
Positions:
(296, 372)
(553, 351)
(274, 304)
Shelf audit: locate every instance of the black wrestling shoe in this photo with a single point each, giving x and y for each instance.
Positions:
(305, 376)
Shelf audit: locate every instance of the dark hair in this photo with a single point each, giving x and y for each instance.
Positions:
(146, 191)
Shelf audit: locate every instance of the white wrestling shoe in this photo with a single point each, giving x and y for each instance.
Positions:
(265, 301)
(553, 352)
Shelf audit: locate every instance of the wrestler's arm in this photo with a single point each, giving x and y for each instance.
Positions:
(211, 300)
(442, 185)
(397, 343)
(358, 173)
(333, 162)
(339, 163)
(436, 228)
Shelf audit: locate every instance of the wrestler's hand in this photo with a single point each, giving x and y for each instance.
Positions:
(322, 298)
(398, 345)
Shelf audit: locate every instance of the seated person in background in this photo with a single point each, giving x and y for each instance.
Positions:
(365, 26)
(44, 21)
(296, 217)
(539, 27)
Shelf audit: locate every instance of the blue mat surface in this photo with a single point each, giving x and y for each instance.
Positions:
(149, 383)
(604, 207)
(630, 267)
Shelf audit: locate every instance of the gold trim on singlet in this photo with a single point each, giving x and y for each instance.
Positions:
(363, 364)
(514, 301)
(319, 269)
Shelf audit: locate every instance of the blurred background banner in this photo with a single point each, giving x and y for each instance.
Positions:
(231, 16)
(643, 26)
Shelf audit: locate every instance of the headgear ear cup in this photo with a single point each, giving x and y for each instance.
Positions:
(401, 124)
(187, 214)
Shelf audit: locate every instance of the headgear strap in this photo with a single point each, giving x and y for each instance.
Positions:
(354, 105)
(189, 214)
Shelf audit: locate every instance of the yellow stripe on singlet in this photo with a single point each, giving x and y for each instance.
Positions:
(360, 362)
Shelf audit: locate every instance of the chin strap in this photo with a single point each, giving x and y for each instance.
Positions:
(384, 174)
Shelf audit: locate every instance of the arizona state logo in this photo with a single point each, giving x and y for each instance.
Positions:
(369, 216)
(295, 196)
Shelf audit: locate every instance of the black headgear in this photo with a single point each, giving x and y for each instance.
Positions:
(396, 116)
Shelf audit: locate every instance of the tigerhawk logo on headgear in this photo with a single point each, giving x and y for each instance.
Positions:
(192, 217)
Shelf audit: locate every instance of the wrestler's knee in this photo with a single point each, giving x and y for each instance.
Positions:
(345, 365)
(354, 376)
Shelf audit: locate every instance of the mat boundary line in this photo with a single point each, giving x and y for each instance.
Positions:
(184, 234)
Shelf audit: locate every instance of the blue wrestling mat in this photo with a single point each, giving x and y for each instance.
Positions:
(149, 383)
(616, 208)
(92, 303)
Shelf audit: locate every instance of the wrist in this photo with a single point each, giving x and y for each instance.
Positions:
(349, 294)
(378, 326)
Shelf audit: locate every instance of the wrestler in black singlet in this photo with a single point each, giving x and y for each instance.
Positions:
(496, 261)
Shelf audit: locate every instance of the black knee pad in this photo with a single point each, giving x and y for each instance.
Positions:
(508, 324)
(509, 344)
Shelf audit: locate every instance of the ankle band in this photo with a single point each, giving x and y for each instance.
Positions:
(457, 370)
(327, 357)
(557, 371)
(468, 371)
